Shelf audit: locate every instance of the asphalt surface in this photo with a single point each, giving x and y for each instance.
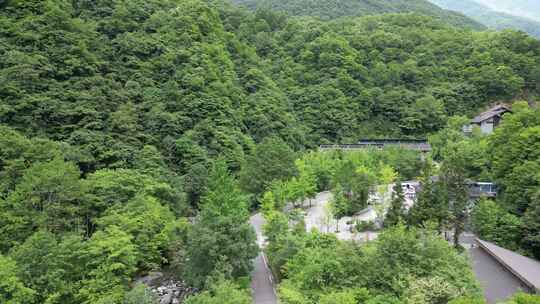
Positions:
(262, 282)
(497, 282)
(317, 217)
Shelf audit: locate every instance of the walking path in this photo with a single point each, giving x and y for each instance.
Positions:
(318, 217)
(497, 282)
(262, 282)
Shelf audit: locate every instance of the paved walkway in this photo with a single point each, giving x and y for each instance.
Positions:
(318, 217)
(262, 283)
(525, 268)
(497, 282)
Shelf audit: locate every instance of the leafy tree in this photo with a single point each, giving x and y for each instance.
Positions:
(407, 263)
(18, 153)
(224, 292)
(12, 288)
(319, 268)
(431, 290)
(338, 297)
(531, 228)
(222, 235)
(271, 160)
(268, 203)
(515, 164)
(468, 300)
(276, 226)
(383, 300)
(40, 267)
(224, 241)
(306, 180)
(523, 298)
(515, 160)
(195, 182)
(146, 220)
(356, 182)
(492, 223)
(47, 197)
(111, 260)
(426, 115)
(114, 189)
(399, 257)
(223, 197)
(140, 294)
(334, 9)
(291, 296)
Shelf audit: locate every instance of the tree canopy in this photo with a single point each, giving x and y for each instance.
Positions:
(135, 134)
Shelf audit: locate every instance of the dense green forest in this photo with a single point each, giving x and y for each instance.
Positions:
(138, 135)
(511, 158)
(493, 19)
(340, 8)
(111, 78)
(409, 262)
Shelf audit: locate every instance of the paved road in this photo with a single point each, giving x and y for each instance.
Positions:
(262, 283)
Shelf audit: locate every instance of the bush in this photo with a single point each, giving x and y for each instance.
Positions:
(362, 226)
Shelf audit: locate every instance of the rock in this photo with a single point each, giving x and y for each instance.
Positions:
(167, 299)
(168, 290)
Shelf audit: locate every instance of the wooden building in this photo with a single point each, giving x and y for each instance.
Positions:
(487, 121)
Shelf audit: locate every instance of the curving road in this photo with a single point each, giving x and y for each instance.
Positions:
(262, 282)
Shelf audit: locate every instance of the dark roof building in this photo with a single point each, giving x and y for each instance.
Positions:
(489, 120)
(421, 145)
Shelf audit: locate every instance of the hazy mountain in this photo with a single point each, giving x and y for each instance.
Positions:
(491, 18)
(524, 8)
(330, 9)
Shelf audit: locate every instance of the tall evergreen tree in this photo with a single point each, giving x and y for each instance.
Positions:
(396, 213)
(453, 179)
(430, 204)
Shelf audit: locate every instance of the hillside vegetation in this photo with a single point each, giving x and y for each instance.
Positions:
(340, 8)
(110, 79)
(493, 19)
(138, 135)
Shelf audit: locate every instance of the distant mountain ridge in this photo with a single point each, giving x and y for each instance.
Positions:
(330, 9)
(492, 19)
(523, 8)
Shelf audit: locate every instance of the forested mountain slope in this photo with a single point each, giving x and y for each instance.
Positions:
(493, 19)
(125, 123)
(198, 79)
(338, 8)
